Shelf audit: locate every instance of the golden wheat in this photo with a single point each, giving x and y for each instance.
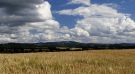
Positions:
(75, 62)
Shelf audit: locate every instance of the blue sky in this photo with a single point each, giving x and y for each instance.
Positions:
(87, 21)
(65, 20)
(123, 6)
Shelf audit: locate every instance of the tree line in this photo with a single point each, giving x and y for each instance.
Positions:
(59, 46)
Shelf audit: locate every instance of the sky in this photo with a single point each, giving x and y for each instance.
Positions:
(123, 6)
(86, 21)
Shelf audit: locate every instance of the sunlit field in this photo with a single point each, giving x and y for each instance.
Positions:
(71, 62)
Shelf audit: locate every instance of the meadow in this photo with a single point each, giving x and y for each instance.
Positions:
(70, 62)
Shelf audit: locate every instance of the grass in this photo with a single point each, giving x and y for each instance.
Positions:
(75, 62)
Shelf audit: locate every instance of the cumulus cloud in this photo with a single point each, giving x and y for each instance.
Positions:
(32, 21)
(12, 12)
(102, 24)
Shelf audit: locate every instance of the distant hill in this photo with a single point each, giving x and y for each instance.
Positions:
(64, 45)
(73, 44)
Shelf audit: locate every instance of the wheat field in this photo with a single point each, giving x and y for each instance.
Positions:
(75, 62)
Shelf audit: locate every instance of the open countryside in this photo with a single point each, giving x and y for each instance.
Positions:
(70, 62)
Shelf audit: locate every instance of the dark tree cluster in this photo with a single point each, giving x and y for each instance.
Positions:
(59, 46)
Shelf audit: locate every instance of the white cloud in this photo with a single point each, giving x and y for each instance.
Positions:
(31, 25)
(103, 24)
(100, 24)
(41, 8)
(85, 2)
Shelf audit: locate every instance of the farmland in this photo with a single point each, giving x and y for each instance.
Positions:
(70, 62)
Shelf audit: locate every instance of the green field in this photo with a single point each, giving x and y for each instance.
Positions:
(71, 62)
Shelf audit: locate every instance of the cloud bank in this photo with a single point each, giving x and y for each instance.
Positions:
(32, 21)
(20, 22)
(102, 24)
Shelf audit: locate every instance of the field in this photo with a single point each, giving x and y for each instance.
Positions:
(75, 62)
